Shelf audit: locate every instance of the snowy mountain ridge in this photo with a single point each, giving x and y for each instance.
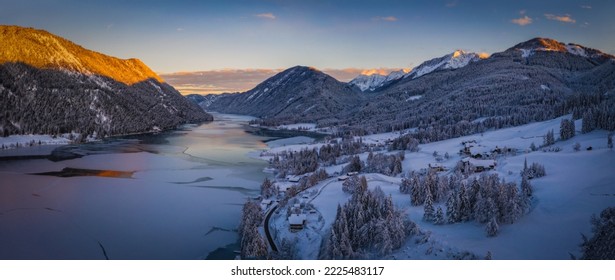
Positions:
(375, 81)
(532, 46)
(81, 91)
(455, 60)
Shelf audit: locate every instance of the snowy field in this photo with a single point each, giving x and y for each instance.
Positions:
(16, 141)
(578, 184)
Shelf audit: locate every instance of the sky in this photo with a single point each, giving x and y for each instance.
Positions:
(213, 40)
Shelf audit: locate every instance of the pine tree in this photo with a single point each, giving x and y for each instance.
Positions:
(576, 147)
(452, 212)
(526, 187)
(480, 209)
(465, 208)
(429, 214)
(439, 220)
(549, 138)
(610, 141)
(492, 228)
(567, 129)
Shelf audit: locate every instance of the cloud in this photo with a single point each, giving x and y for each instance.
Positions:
(586, 6)
(218, 81)
(564, 18)
(240, 80)
(389, 18)
(266, 16)
(179, 29)
(523, 21)
(451, 4)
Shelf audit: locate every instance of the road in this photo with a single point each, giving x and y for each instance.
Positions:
(267, 232)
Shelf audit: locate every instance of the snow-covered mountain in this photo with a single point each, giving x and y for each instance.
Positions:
(375, 81)
(535, 45)
(295, 93)
(505, 89)
(455, 60)
(49, 85)
(368, 82)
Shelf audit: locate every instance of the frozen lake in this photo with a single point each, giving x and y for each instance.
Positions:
(175, 195)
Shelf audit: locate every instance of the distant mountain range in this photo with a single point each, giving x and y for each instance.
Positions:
(457, 93)
(455, 60)
(49, 85)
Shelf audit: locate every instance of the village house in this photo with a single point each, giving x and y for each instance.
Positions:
(294, 178)
(297, 221)
(265, 203)
(479, 165)
(438, 167)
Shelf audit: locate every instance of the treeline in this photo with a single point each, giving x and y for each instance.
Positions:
(253, 245)
(308, 160)
(601, 246)
(486, 199)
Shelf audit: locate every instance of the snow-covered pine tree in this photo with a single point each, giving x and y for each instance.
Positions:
(549, 138)
(465, 208)
(404, 187)
(567, 129)
(481, 213)
(492, 228)
(452, 212)
(526, 187)
(439, 220)
(415, 191)
(429, 213)
(601, 245)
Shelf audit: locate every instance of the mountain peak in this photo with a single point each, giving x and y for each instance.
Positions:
(43, 50)
(528, 48)
(454, 60)
(541, 44)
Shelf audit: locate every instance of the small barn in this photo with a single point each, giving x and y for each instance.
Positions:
(437, 167)
(294, 179)
(479, 165)
(296, 221)
(265, 203)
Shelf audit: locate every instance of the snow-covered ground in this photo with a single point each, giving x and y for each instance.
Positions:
(15, 141)
(298, 140)
(299, 126)
(578, 184)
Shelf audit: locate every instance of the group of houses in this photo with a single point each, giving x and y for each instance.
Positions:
(479, 157)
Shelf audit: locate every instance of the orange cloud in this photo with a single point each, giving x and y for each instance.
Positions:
(240, 80)
(218, 81)
(523, 21)
(483, 55)
(565, 18)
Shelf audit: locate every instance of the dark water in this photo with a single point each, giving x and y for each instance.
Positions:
(172, 195)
